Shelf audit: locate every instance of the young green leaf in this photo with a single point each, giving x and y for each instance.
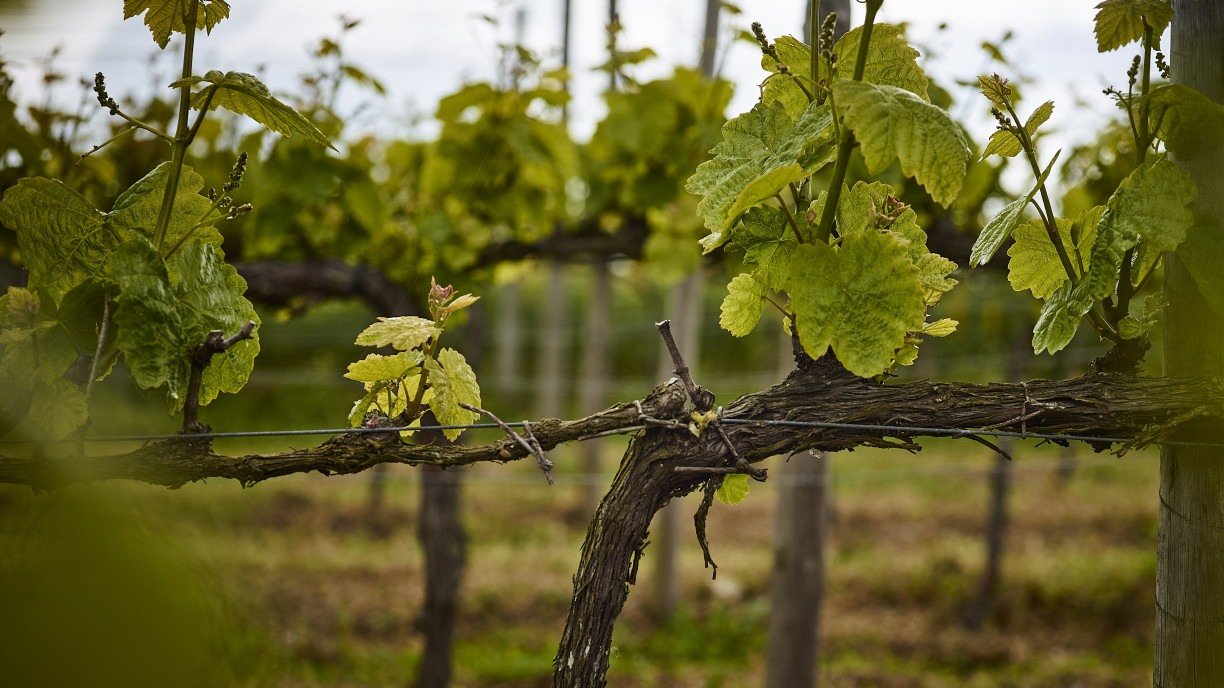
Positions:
(56, 409)
(1039, 117)
(376, 367)
(1002, 142)
(1034, 263)
(754, 145)
(1120, 22)
(891, 60)
(164, 17)
(148, 319)
(861, 300)
(940, 328)
(996, 89)
(165, 311)
(741, 309)
(1149, 205)
(453, 383)
(733, 489)
(893, 124)
(784, 88)
(764, 188)
(62, 237)
(1190, 122)
(136, 210)
(769, 244)
(1057, 323)
(244, 94)
(996, 231)
(404, 333)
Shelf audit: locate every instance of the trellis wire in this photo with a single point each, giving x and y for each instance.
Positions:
(893, 430)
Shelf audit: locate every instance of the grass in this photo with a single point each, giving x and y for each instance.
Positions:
(287, 584)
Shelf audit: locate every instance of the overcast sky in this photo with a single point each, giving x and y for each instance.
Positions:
(424, 49)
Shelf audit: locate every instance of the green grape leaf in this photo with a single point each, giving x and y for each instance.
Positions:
(996, 232)
(164, 17)
(1002, 142)
(147, 319)
(1149, 205)
(1190, 122)
(894, 124)
(891, 60)
(376, 367)
(940, 328)
(404, 333)
(244, 94)
(996, 89)
(763, 188)
(62, 237)
(741, 309)
(1203, 253)
(209, 295)
(1034, 263)
(136, 210)
(733, 489)
(80, 314)
(862, 300)
(998, 229)
(768, 243)
(453, 383)
(1039, 117)
(1120, 22)
(755, 144)
(1005, 143)
(860, 206)
(1056, 325)
(56, 410)
(362, 405)
(1130, 327)
(161, 321)
(784, 88)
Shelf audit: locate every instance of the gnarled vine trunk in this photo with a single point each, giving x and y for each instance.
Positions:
(1190, 559)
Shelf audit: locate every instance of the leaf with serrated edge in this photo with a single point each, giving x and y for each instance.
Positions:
(453, 383)
(148, 321)
(996, 232)
(1190, 122)
(1151, 204)
(1120, 22)
(861, 301)
(376, 367)
(940, 328)
(763, 188)
(136, 210)
(1002, 142)
(998, 229)
(210, 296)
(164, 17)
(62, 237)
(733, 489)
(56, 409)
(769, 244)
(741, 309)
(404, 333)
(245, 94)
(894, 124)
(754, 144)
(1039, 117)
(1056, 325)
(891, 60)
